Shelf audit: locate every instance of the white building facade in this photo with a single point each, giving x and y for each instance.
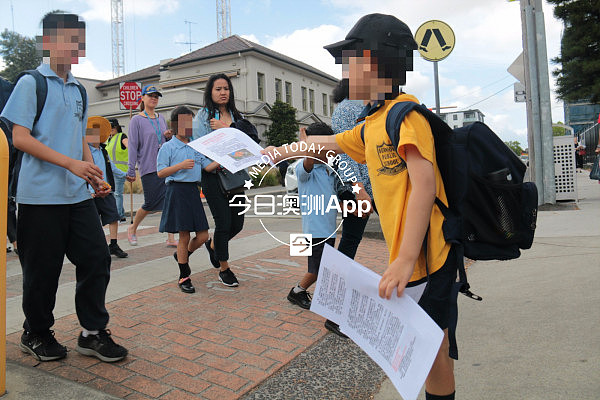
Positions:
(259, 76)
(462, 118)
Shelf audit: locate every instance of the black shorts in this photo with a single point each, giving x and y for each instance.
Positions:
(107, 208)
(437, 298)
(314, 261)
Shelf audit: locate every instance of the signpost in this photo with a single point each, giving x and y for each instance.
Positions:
(436, 41)
(130, 95)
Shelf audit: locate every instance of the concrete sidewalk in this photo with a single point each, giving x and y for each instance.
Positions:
(534, 336)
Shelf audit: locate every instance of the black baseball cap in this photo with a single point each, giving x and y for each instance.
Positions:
(376, 32)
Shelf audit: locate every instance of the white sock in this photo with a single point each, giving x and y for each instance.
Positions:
(86, 333)
(299, 289)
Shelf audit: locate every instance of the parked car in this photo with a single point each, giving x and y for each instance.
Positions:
(291, 180)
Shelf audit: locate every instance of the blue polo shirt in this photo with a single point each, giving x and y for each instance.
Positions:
(175, 151)
(315, 189)
(61, 127)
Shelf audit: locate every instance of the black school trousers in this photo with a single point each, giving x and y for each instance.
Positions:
(227, 221)
(46, 233)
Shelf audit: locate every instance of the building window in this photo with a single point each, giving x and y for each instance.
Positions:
(304, 99)
(469, 115)
(311, 100)
(288, 93)
(324, 104)
(261, 86)
(277, 89)
(330, 105)
(455, 117)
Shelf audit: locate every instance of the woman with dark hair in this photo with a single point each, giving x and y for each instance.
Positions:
(219, 112)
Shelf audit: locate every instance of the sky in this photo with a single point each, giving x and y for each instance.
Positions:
(474, 75)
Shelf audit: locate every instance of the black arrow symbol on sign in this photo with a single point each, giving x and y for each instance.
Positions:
(438, 36)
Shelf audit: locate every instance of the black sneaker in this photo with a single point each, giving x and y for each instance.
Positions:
(42, 346)
(116, 250)
(211, 254)
(185, 284)
(101, 346)
(228, 278)
(301, 298)
(335, 328)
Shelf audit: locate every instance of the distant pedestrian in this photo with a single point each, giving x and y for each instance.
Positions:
(579, 153)
(183, 213)
(57, 217)
(597, 151)
(119, 156)
(147, 133)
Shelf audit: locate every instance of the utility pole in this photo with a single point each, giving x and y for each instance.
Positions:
(117, 37)
(223, 19)
(539, 115)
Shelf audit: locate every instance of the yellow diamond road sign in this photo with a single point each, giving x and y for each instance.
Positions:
(435, 40)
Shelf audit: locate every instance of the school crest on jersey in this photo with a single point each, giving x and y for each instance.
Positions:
(391, 163)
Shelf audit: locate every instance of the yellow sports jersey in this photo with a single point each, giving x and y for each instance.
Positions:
(390, 181)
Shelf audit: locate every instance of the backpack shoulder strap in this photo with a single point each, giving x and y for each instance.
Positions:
(394, 119)
(41, 90)
(83, 94)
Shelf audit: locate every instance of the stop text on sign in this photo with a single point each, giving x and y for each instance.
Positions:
(130, 95)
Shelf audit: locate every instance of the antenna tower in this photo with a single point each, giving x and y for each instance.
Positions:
(117, 37)
(189, 42)
(223, 19)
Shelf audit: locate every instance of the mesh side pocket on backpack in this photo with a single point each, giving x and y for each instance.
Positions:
(492, 212)
(529, 208)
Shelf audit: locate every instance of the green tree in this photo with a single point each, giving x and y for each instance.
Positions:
(515, 146)
(578, 76)
(19, 54)
(558, 130)
(284, 127)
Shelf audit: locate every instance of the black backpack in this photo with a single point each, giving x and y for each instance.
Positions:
(41, 90)
(492, 213)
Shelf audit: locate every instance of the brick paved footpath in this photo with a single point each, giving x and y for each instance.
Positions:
(218, 343)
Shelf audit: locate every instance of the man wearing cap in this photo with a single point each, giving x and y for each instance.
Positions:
(117, 152)
(405, 179)
(57, 216)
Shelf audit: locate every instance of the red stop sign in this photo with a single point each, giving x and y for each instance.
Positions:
(130, 94)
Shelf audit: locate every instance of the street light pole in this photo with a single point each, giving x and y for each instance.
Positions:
(539, 116)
